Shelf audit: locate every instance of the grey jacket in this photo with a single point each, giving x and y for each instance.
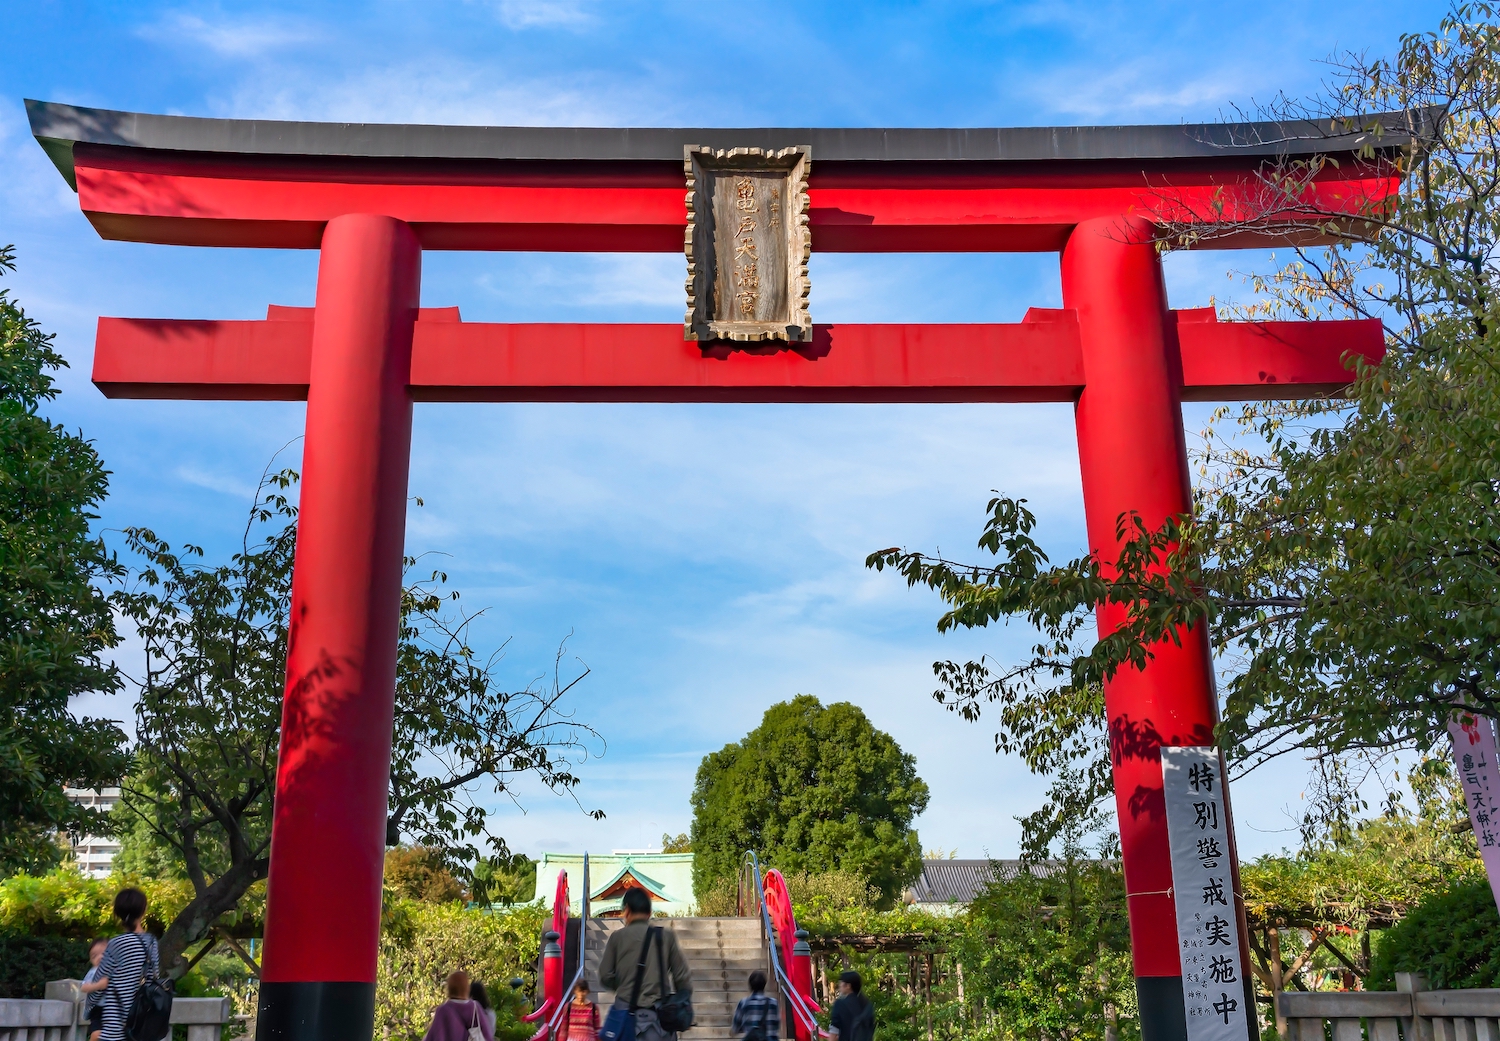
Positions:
(623, 952)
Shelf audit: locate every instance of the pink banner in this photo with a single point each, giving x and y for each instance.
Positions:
(1475, 756)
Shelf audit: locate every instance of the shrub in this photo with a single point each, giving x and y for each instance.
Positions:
(1451, 937)
(816, 893)
(420, 943)
(720, 900)
(29, 963)
(64, 902)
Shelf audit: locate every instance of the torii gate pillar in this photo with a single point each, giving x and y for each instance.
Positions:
(328, 837)
(1133, 457)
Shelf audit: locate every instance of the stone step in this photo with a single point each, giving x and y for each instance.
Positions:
(720, 952)
(730, 965)
(722, 924)
(737, 986)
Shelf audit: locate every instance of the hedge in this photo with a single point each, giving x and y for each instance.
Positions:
(29, 963)
(1451, 937)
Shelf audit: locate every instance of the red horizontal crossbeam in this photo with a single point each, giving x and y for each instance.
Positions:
(1038, 359)
(598, 208)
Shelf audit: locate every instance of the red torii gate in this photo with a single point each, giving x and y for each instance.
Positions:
(372, 197)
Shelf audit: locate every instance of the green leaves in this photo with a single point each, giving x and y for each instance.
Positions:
(55, 620)
(1452, 937)
(813, 788)
(1049, 951)
(208, 718)
(420, 943)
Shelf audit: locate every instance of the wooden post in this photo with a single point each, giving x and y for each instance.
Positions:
(1273, 942)
(1418, 1028)
(927, 993)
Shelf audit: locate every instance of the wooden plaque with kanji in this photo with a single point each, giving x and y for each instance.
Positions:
(747, 244)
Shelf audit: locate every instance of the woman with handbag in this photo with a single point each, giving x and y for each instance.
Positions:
(129, 960)
(459, 1018)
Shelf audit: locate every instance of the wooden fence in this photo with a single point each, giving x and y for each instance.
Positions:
(1411, 1013)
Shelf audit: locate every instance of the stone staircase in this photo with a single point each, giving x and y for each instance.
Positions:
(721, 953)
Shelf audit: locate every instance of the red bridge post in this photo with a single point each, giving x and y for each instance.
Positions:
(1133, 456)
(323, 909)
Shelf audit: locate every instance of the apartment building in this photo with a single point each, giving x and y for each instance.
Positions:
(95, 855)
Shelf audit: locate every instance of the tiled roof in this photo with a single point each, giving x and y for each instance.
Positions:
(959, 881)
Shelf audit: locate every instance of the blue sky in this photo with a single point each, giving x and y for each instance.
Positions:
(708, 559)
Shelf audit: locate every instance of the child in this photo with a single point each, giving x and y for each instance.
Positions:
(756, 1016)
(93, 985)
(582, 1022)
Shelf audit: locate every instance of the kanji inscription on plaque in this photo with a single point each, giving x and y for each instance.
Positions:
(747, 244)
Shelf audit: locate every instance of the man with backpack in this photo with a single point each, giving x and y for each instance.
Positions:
(853, 1015)
(757, 1016)
(645, 967)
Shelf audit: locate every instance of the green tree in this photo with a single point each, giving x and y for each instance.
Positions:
(507, 882)
(1314, 914)
(200, 794)
(55, 620)
(810, 789)
(1344, 553)
(419, 873)
(1048, 951)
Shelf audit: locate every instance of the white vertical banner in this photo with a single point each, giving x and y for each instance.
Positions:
(1208, 933)
(1479, 773)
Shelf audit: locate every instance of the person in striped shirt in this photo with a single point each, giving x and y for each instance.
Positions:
(757, 1016)
(129, 958)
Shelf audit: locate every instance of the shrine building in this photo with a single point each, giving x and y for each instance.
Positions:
(667, 877)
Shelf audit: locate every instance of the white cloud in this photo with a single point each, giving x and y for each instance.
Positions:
(1139, 91)
(225, 483)
(229, 37)
(539, 14)
(590, 280)
(453, 91)
(32, 189)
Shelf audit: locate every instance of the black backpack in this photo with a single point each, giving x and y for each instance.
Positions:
(675, 1013)
(150, 1016)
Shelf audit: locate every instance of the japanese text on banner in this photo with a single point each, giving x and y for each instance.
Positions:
(1202, 887)
(1473, 740)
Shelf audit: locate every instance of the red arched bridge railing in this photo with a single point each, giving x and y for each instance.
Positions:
(554, 1004)
(788, 955)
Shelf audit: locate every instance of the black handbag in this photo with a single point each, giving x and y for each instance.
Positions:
(150, 1016)
(675, 1012)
